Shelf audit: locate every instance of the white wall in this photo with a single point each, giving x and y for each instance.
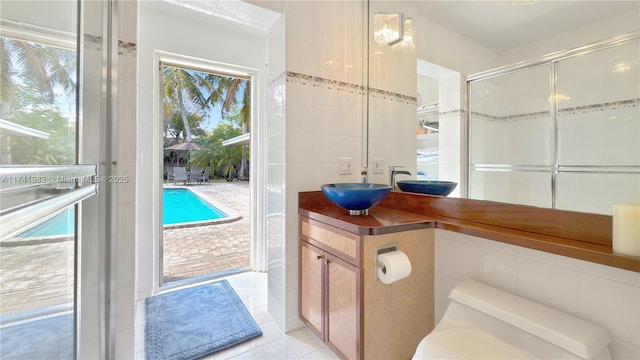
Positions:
(276, 175)
(604, 29)
(59, 15)
(124, 247)
(316, 123)
(606, 296)
(442, 46)
(174, 32)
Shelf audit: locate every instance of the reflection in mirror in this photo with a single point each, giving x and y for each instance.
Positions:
(438, 137)
(471, 38)
(392, 92)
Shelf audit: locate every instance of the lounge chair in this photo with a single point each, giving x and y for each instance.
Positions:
(180, 174)
(202, 177)
(169, 170)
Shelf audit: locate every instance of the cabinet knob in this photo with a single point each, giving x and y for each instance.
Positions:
(328, 261)
(319, 257)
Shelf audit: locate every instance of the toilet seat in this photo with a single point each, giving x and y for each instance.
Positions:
(466, 343)
(483, 322)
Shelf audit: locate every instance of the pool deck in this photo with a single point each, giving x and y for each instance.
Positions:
(201, 250)
(38, 275)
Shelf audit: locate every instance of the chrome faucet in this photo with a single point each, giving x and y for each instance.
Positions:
(392, 175)
(364, 173)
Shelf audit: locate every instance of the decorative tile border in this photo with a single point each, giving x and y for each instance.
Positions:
(324, 83)
(342, 86)
(451, 114)
(388, 95)
(622, 104)
(93, 42)
(130, 47)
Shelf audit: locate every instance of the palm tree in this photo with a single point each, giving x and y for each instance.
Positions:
(31, 75)
(184, 90)
(218, 156)
(37, 66)
(225, 91)
(180, 83)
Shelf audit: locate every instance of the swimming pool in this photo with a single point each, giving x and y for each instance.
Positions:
(181, 207)
(61, 225)
(184, 206)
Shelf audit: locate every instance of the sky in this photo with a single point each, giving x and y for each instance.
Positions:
(213, 117)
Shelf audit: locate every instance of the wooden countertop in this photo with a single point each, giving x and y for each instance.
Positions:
(578, 235)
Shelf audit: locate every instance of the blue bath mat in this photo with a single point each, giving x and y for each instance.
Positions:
(44, 337)
(196, 321)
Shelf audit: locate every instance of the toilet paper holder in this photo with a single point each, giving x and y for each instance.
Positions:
(383, 250)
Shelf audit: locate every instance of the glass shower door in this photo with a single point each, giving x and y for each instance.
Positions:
(598, 116)
(560, 131)
(41, 181)
(510, 141)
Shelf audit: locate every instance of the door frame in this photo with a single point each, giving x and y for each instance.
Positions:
(257, 202)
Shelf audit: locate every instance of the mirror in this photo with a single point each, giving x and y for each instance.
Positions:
(417, 105)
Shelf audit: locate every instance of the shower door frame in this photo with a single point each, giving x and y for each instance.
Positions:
(91, 197)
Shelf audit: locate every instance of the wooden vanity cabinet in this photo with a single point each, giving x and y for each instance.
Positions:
(343, 303)
(330, 290)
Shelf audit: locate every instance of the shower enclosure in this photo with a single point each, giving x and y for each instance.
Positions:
(561, 131)
(55, 160)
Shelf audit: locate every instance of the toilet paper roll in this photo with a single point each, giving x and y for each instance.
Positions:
(626, 228)
(393, 266)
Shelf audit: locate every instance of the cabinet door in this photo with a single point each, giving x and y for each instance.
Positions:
(343, 307)
(311, 285)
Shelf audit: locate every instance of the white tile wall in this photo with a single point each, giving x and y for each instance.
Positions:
(607, 296)
(125, 186)
(276, 175)
(323, 123)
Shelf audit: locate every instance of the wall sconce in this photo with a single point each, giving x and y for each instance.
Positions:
(387, 28)
(393, 29)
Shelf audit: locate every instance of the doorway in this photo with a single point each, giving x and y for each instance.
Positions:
(206, 116)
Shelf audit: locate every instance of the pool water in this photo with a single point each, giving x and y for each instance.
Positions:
(183, 206)
(59, 225)
(180, 206)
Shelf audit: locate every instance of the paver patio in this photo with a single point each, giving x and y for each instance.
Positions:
(38, 275)
(201, 250)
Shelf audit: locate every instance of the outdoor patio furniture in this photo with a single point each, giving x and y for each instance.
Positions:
(204, 177)
(180, 174)
(194, 174)
(169, 170)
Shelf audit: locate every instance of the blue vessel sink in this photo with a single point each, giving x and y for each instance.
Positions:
(429, 187)
(355, 197)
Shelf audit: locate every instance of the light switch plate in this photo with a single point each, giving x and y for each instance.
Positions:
(345, 166)
(378, 165)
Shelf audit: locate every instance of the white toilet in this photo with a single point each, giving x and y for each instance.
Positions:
(483, 322)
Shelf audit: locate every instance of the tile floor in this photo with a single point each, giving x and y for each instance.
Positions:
(272, 345)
